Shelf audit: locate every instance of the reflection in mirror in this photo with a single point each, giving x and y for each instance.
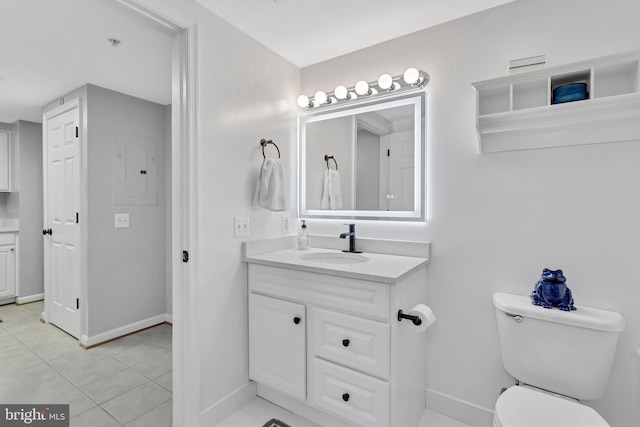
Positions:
(365, 161)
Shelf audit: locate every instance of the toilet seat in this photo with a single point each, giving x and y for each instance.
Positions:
(525, 407)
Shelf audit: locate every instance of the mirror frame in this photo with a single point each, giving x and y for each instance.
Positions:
(418, 99)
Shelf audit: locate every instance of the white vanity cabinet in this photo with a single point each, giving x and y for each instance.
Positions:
(8, 242)
(347, 355)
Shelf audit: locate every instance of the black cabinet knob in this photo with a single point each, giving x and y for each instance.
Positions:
(345, 342)
(46, 231)
(345, 397)
(296, 320)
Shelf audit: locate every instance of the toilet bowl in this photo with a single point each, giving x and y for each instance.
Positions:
(521, 406)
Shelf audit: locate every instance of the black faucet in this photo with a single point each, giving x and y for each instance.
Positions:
(352, 239)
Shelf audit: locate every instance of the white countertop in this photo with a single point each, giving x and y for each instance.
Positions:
(380, 267)
(8, 225)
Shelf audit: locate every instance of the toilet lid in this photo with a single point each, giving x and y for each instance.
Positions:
(525, 407)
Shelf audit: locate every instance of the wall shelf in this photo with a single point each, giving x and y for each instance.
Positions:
(517, 113)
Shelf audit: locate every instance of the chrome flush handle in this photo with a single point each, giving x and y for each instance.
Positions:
(515, 317)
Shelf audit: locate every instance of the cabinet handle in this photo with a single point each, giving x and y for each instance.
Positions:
(296, 320)
(345, 342)
(47, 231)
(345, 397)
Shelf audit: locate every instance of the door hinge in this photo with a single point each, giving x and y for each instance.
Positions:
(77, 303)
(77, 130)
(77, 217)
(185, 256)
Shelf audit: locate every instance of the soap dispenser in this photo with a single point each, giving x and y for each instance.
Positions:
(303, 236)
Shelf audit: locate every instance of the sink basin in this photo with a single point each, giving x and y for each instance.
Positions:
(335, 258)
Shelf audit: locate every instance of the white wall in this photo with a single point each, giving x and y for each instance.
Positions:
(126, 266)
(245, 92)
(24, 203)
(495, 220)
(29, 188)
(368, 171)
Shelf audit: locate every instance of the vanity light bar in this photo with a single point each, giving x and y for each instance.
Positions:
(386, 84)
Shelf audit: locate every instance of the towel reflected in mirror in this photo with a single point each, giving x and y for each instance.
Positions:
(332, 191)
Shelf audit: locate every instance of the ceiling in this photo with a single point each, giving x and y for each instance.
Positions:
(66, 43)
(310, 31)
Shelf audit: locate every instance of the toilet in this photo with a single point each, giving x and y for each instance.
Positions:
(557, 359)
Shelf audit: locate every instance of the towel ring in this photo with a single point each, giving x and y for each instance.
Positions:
(327, 158)
(264, 143)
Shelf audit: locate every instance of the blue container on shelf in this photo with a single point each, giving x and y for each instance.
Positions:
(570, 92)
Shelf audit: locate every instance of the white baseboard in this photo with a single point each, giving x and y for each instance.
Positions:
(29, 298)
(460, 410)
(168, 318)
(90, 341)
(229, 404)
(300, 408)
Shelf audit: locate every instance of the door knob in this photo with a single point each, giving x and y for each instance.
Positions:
(47, 231)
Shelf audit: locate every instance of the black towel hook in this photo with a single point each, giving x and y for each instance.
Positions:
(327, 158)
(264, 143)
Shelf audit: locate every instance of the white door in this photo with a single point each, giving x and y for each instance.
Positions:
(277, 344)
(63, 233)
(401, 171)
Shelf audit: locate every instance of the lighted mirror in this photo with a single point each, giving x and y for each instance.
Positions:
(365, 161)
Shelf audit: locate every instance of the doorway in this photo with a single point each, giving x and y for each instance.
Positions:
(186, 387)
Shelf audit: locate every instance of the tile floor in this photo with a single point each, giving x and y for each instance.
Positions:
(126, 382)
(257, 412)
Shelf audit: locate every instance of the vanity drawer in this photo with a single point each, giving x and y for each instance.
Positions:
(355, 342)
(356, 397)
(371, 299)
(7, 238)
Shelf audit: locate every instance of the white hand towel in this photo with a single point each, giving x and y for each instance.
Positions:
(332, 191)
(270, 191)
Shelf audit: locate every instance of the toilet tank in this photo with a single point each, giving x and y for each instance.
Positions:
(568, 353)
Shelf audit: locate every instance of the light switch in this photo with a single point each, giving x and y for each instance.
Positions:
(240, 227)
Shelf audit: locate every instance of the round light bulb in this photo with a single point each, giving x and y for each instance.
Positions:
(341, 92)
(385, 82)
(303, 101)
(362, 88)
(320, 97)
(412, 76)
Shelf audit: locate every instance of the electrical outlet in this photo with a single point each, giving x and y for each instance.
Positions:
(240, 227)
(122, 220)
(286, 224)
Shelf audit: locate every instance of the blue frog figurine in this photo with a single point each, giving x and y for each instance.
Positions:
(552, 291)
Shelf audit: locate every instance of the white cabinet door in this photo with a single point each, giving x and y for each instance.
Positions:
(5, 162)
(277, 344)
(7, 271)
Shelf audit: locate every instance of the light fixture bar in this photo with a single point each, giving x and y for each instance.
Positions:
(385, 85)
